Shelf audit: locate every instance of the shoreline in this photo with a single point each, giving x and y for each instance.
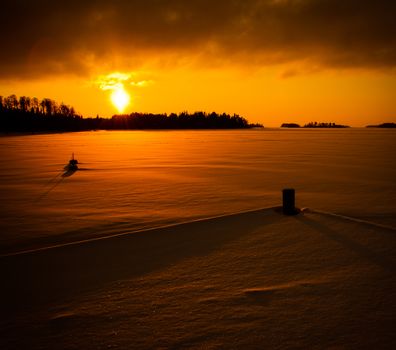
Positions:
(35, 133)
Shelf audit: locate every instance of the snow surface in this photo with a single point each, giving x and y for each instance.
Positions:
(324, 279)
(134, 180)
(252, 280)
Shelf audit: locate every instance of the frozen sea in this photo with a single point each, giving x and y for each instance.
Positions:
(133, 180)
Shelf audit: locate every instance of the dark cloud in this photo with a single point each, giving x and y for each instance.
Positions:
(46, 37)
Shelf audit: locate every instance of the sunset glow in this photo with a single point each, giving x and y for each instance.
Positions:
(269, 61)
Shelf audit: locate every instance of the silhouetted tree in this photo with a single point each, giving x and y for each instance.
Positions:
(35, 105)
(24, 103)
(11, 102)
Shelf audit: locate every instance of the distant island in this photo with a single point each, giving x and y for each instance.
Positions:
(26, 114)
(314, 125)
(383, 125)
(324, 125)
(290, 125)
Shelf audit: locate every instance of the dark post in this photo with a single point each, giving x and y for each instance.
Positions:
(289, 201)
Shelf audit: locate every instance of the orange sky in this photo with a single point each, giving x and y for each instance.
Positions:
(270, 61)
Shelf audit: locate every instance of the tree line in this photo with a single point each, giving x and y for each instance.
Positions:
(26, 114)
(33, 105)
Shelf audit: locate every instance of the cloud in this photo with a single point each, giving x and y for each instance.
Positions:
(55, 37)
(118, 80)
(112, 81)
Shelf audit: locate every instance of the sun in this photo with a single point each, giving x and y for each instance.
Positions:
(120, 99)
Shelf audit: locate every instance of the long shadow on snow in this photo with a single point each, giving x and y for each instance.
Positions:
(358, 248)
(34, 279)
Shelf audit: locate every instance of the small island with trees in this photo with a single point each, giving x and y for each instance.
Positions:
(26, 114)
(383, 125)
(314, 125)
(290, 125)
(324, 125)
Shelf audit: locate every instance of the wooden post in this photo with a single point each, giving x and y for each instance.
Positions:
(289, 208)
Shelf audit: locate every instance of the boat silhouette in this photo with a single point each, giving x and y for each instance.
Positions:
(71, 167)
